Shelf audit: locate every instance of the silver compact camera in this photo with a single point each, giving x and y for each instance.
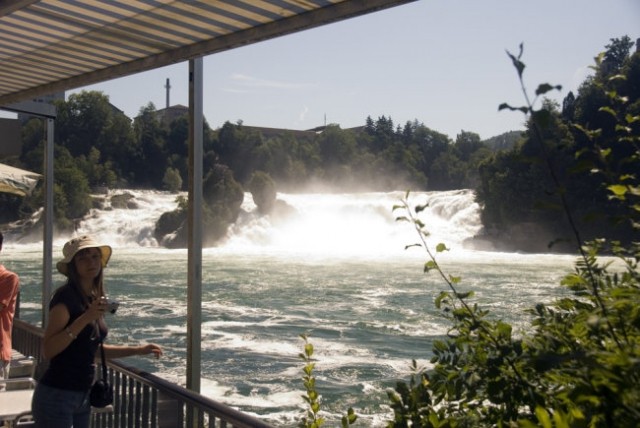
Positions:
(112, 306)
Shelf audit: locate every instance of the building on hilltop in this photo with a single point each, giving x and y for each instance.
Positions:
(167, 115)
(170, 113)
(276, 132)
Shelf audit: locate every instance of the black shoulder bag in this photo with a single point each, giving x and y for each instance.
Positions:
(101, 394)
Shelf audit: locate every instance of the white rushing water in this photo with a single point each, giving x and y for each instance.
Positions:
(323, 224)
(336, 270)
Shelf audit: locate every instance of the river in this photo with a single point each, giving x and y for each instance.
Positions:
(337, 271)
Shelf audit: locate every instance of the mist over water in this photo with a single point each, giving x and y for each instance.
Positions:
(353, 224)
(336, 270)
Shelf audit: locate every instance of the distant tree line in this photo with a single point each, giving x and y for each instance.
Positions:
(377, 156)
(97, 146)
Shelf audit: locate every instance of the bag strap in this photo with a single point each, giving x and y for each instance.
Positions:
(103, 359)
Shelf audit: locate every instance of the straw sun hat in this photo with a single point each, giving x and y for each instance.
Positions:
(72, 247)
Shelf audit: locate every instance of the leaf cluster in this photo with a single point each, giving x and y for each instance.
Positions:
(312, 418)
(583, 157)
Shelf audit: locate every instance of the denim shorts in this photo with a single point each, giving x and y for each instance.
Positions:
(60, 408)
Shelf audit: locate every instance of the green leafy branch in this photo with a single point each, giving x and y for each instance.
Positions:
(469, 335)
(312, 419)
(541, 120)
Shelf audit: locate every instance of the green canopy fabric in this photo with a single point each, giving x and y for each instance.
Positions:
(17, 181)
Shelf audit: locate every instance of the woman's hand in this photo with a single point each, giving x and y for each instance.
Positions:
(150, 348)
(96, 309)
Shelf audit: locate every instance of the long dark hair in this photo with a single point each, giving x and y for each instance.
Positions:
(73, 279)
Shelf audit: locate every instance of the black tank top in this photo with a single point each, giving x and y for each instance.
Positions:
(74, 367)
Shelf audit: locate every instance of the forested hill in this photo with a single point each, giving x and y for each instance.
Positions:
(505, 141)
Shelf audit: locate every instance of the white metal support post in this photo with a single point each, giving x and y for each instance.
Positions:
(194, 292)
(47, 238)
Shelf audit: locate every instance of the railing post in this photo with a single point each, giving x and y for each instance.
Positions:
(170, 412)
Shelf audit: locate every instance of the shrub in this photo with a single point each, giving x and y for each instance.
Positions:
(579, 363)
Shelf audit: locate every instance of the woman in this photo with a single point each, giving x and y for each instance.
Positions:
(71, 338)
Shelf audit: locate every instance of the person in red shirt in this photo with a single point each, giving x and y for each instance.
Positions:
(9, 286)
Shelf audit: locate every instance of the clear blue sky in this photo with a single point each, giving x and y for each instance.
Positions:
(442, 62)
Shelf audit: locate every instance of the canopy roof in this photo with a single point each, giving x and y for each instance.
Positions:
(49, 46)
(17, 181)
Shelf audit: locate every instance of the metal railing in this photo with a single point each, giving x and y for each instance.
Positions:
(143, 400)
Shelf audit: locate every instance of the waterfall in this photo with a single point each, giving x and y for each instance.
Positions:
(131, 226)
(355, 223)
(316, 223)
